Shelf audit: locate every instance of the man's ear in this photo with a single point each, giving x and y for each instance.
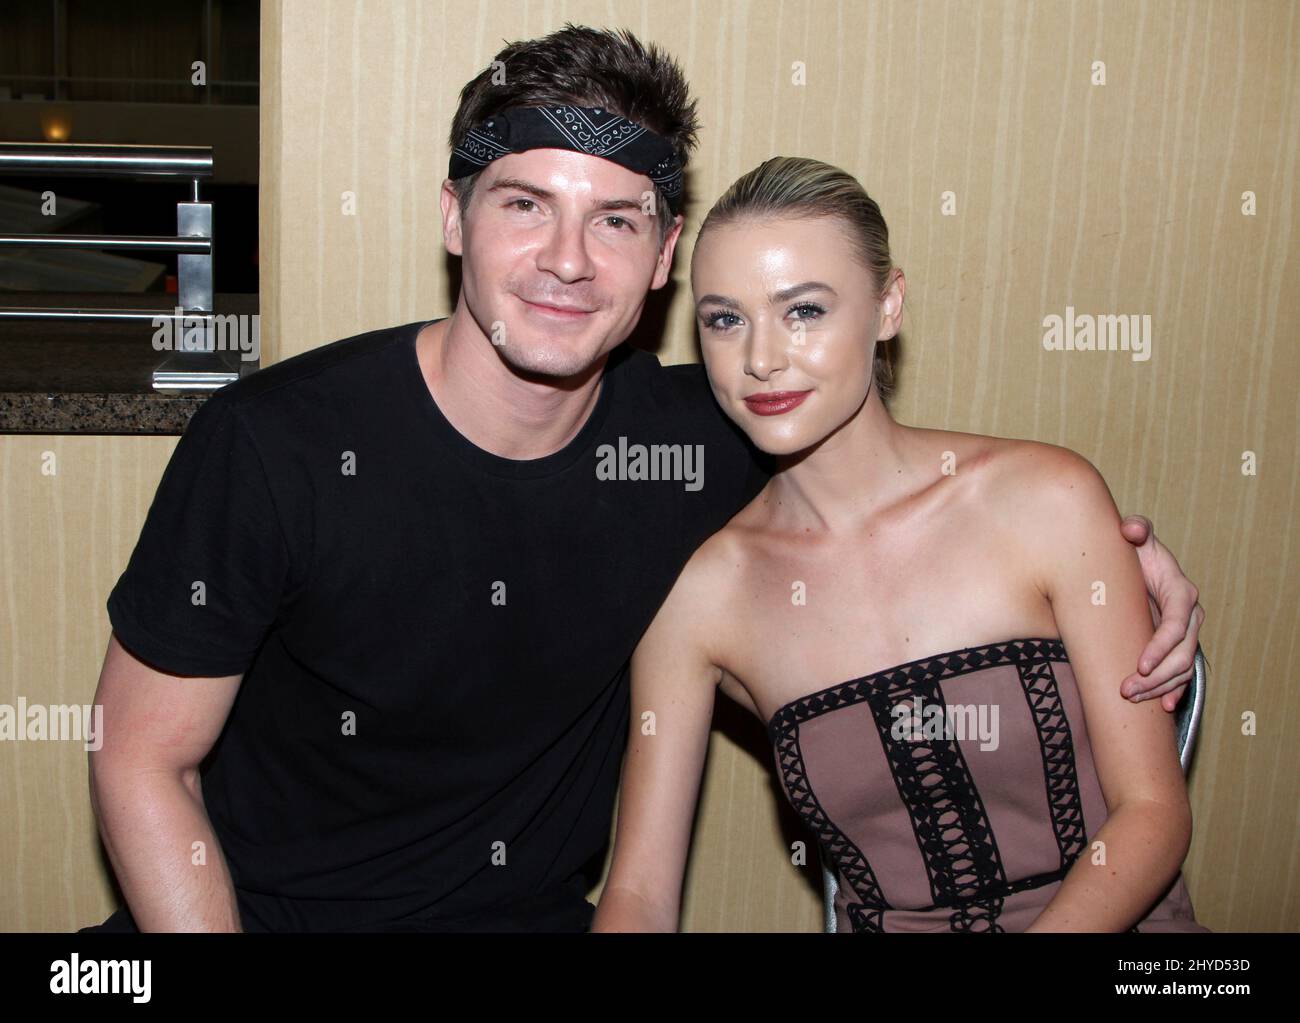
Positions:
(664, 265)
(451, 223)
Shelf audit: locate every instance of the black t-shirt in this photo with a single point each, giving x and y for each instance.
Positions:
(434, 639)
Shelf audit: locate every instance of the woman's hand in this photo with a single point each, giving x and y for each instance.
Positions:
(1165, 665)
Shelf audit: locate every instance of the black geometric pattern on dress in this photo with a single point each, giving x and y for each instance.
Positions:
(948, 818)
(952, 829)
(937, 668)
(1054, 740)
(837, 848)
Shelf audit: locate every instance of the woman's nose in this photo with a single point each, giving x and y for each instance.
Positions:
(765, 352)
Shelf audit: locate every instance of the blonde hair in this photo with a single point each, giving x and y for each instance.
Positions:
(794, 186)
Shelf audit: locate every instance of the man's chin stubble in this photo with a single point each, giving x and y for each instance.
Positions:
(563, 371)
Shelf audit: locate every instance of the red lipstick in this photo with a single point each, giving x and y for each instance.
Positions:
(774, 403)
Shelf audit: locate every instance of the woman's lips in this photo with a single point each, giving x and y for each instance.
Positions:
(774, 403)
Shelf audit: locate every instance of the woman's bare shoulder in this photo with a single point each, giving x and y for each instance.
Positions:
(716, 561)
(1007, 462)
(1018, 488)
(1044, 472)
(1050, 497)
(716, 571)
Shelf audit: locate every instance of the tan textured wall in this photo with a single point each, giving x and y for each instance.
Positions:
(1117, 198)
(64, 539)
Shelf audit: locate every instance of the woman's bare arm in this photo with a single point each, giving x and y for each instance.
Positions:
(673, 686)
(1092, 578)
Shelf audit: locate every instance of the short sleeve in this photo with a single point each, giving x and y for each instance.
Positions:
(205, 581)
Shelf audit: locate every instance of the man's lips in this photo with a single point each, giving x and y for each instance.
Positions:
(564, 312)
(773, 403)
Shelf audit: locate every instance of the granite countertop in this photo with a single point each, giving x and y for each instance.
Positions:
(91, 412)
(94, 377)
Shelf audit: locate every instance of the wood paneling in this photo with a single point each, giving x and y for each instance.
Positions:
(64, 539)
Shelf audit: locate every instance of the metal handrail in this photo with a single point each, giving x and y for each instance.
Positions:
(157, 243)
(193, 242)
(107, 160)
(97, 315)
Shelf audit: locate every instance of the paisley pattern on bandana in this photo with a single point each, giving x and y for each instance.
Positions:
(590, 130)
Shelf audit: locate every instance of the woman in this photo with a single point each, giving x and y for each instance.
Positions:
(951, 782)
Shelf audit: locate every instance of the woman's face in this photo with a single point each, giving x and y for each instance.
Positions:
(788, 326)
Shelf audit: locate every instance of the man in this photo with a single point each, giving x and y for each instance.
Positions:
(368, 669)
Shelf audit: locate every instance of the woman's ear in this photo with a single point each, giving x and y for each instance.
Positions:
(891, 307)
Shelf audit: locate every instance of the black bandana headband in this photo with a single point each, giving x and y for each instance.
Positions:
(588, 130)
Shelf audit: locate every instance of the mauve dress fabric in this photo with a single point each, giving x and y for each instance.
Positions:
(937, 834)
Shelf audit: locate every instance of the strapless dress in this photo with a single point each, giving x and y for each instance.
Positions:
(951, 793)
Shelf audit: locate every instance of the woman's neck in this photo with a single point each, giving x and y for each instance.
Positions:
(866, 465)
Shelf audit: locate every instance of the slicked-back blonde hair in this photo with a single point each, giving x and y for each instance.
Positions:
(795, 186)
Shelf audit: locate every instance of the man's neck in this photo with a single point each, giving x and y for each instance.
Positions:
(492, 405)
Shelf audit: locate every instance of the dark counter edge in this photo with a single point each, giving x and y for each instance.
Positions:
(35, 412)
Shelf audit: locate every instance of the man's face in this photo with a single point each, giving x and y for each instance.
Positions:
(558, 255)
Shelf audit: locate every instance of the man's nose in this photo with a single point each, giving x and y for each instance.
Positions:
(565, 253)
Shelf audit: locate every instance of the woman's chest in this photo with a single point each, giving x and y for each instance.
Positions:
(801, 618)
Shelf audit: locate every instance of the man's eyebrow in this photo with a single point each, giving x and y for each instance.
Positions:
(620, 204)
(519, 185)
(784, 295)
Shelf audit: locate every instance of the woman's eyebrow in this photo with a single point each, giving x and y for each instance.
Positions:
(784, 295)
(800, 289)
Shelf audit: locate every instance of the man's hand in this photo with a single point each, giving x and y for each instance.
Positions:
(1165, 667)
